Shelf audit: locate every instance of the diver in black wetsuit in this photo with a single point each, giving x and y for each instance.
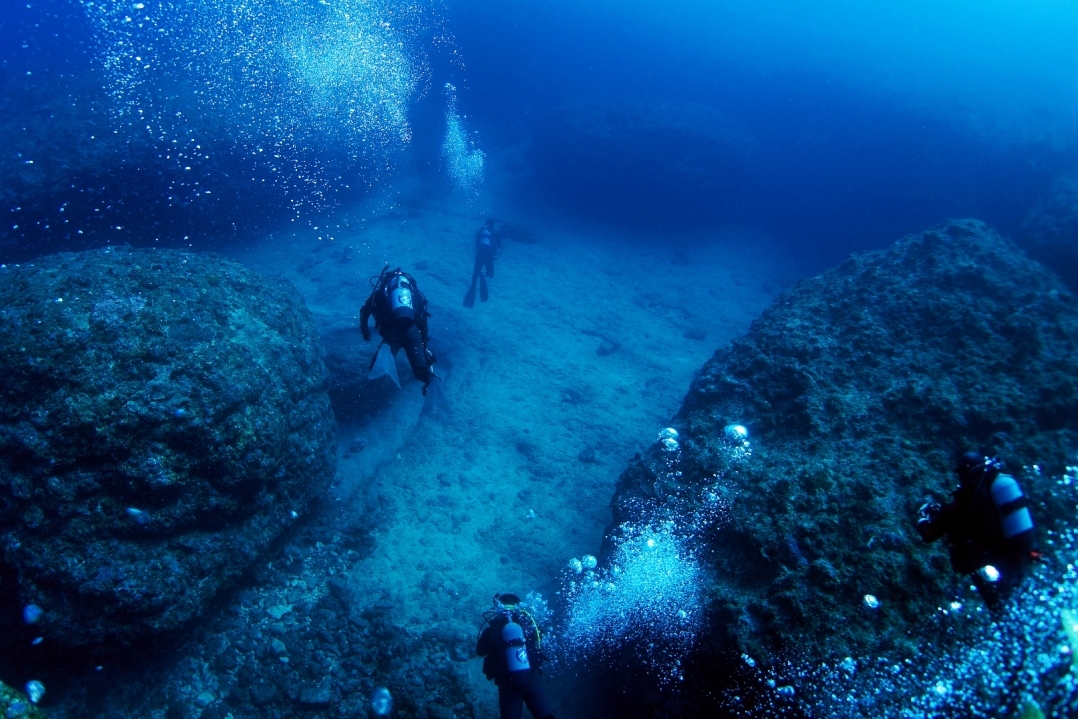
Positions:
(988, 524)
(400, 314)
(487, 243)
(510, 646)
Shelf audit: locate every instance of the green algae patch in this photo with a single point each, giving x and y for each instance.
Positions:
(15, 705)
(1031, 710)
(1070, 629)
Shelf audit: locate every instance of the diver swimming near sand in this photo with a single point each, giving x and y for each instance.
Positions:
(487, 243)
(400, 314)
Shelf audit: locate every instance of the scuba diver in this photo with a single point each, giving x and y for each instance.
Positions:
(487, 243)
(400, 314)
(510, 645)
(988, 525)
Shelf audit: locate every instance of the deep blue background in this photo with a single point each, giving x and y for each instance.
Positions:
(832, 167)
(827, 156)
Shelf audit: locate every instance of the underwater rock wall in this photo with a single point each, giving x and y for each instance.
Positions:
(1051, 229)
(860, 387)
(163, 418)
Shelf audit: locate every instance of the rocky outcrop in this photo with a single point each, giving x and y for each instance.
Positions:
(1051, 229)
(163, 418)
(860, 387)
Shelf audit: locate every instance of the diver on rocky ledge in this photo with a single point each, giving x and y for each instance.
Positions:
(988, 525)
(400, 314)
(510, 645)
(487, 243)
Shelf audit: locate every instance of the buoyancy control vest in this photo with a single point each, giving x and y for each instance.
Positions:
(1013, 509)
(485, 239)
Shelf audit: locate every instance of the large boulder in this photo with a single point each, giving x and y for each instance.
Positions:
(860, 387)
(1051, 229)
(163, 417)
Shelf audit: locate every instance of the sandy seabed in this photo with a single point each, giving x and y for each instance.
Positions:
(582, 354)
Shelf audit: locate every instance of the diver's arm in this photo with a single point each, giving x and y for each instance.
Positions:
(364, 317)
(935, 521)
(483, 645)
(421, 319)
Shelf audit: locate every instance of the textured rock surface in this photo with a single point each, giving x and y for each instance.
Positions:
(162, 415)
(288, 640)
(1051, 229)
(860, 387)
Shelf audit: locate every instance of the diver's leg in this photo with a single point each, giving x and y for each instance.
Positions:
(417, 356)
(535, 696)
(511, 702)
(469, 298)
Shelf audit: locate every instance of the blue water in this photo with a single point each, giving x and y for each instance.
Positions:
(627, 130)
(847, 126)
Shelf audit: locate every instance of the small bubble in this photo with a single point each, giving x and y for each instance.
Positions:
(31, 613)
(35, 690)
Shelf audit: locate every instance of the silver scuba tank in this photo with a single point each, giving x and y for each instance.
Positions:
(1014, 514)
(399, 292)
(516, 651)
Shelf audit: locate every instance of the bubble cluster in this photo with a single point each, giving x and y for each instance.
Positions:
(35, 690)
(463, 160)
(647, 597)
(381, 702)
(304, 91)
(668, 439)
(736, 446)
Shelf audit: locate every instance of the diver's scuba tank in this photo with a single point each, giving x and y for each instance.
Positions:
(516, 651)
(484, 237)
(399, 289)
(1015, 519)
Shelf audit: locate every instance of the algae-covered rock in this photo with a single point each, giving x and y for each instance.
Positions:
(15, 705)
(860, 387)
(163, 417)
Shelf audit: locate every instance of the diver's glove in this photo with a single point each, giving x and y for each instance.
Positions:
(928, 512)
(366, 333)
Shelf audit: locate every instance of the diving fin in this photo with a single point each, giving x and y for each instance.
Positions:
(469, 299)
(483, 294)
(435, 403)
(384, 363)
